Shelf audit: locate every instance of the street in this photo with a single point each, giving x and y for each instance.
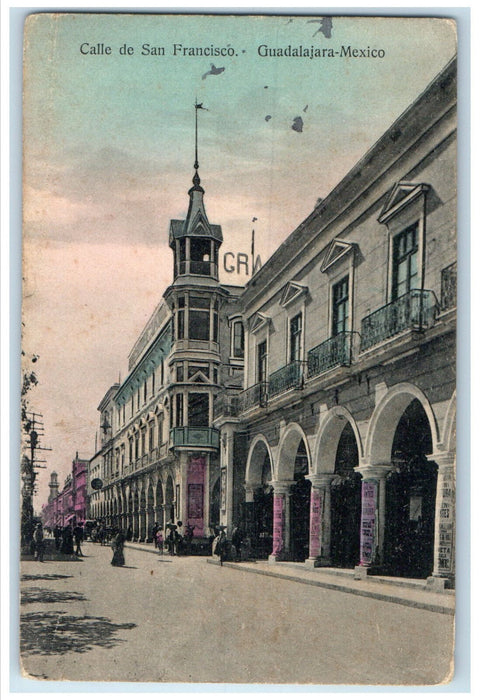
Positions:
(178, 619)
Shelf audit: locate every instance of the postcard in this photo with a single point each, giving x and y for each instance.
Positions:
(239, 332)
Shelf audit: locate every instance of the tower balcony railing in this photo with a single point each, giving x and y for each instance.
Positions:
(415, 310)
(207, 268)
(334, 352)
(288, 377)
(194, 437)
(448, 289)
(252, 397)
(227, 405)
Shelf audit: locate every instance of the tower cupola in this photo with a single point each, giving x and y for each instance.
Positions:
(195, 241)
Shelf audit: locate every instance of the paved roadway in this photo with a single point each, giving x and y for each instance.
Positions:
(182, 620)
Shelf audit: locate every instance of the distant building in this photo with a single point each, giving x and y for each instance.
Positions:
(70, 505)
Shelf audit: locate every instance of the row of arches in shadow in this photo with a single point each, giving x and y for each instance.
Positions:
(409, 508)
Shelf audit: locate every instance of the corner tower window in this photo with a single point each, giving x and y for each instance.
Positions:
(199, 318)
(200, 256)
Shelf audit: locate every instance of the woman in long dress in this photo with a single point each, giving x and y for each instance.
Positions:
(117, 546)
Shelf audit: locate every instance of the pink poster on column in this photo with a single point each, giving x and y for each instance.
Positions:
(278, 520)
(316, 509)
(195, 493)
(367, 528)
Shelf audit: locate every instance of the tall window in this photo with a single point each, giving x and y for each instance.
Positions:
(340, 306)
(181, 318)
(179, 410)
(295, 338)
(262, 361)
(199, 318)
(405, 262)
(160, 430)
(198, 409)
(238, 339)
(150, 436)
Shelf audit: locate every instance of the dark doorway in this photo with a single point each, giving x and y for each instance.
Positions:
(169, 497)
(263, 514)
(346, 503)
(410, 498)
(215, 505)
(300, 507)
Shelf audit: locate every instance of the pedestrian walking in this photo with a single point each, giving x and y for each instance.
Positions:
(188, 537)
(154, 534)
(219, 545)
(38, 542)
(237, 537)
(78, 537)
(117, 546)
(159, 540)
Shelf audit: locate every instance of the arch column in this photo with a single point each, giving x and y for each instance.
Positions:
(320, 520)
(372, 525)
(443, 575)
(281, 520)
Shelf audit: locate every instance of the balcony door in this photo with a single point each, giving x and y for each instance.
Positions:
(262, 362)
(405, 262)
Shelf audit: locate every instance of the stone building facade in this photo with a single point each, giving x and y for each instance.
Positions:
(349, 400)
(316, 406)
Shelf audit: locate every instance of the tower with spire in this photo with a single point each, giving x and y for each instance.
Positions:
(195, 241)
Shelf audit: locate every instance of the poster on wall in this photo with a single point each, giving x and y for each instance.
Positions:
(241, 227)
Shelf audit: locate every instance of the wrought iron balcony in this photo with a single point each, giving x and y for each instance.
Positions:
(255, 395)
(448, 293)
(194, 437)
(227, 405)
(288, 377)
(333, 352)
(415, 310)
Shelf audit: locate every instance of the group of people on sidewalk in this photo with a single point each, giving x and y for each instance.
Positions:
(177, 539)
(64, 538)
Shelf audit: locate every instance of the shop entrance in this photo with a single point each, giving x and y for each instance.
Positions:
(346, 503)
(410, 498)
(300, 507)
(263, 513)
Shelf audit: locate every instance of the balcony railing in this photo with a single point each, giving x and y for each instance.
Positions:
(194, 437)
(415, 310)
(255, 395)
(333, 352)
(288, 377)
(227, 405)
(448, 293)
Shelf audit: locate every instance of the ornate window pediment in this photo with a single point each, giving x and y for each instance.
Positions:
(258, 321)
(402, 193)
(337, 250)
(293, 291)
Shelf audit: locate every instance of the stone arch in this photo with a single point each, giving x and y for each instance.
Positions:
(259, 449)
(386, 416)
(287, 452)
(329, 437)
(449, 435)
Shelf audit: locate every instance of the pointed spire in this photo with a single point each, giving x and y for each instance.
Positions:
(196, 176)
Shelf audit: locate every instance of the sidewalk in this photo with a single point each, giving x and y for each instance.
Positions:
(409, 592)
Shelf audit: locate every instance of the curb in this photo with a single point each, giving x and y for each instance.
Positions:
(388, 598)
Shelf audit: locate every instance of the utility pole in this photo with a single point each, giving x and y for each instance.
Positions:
(33, 426)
